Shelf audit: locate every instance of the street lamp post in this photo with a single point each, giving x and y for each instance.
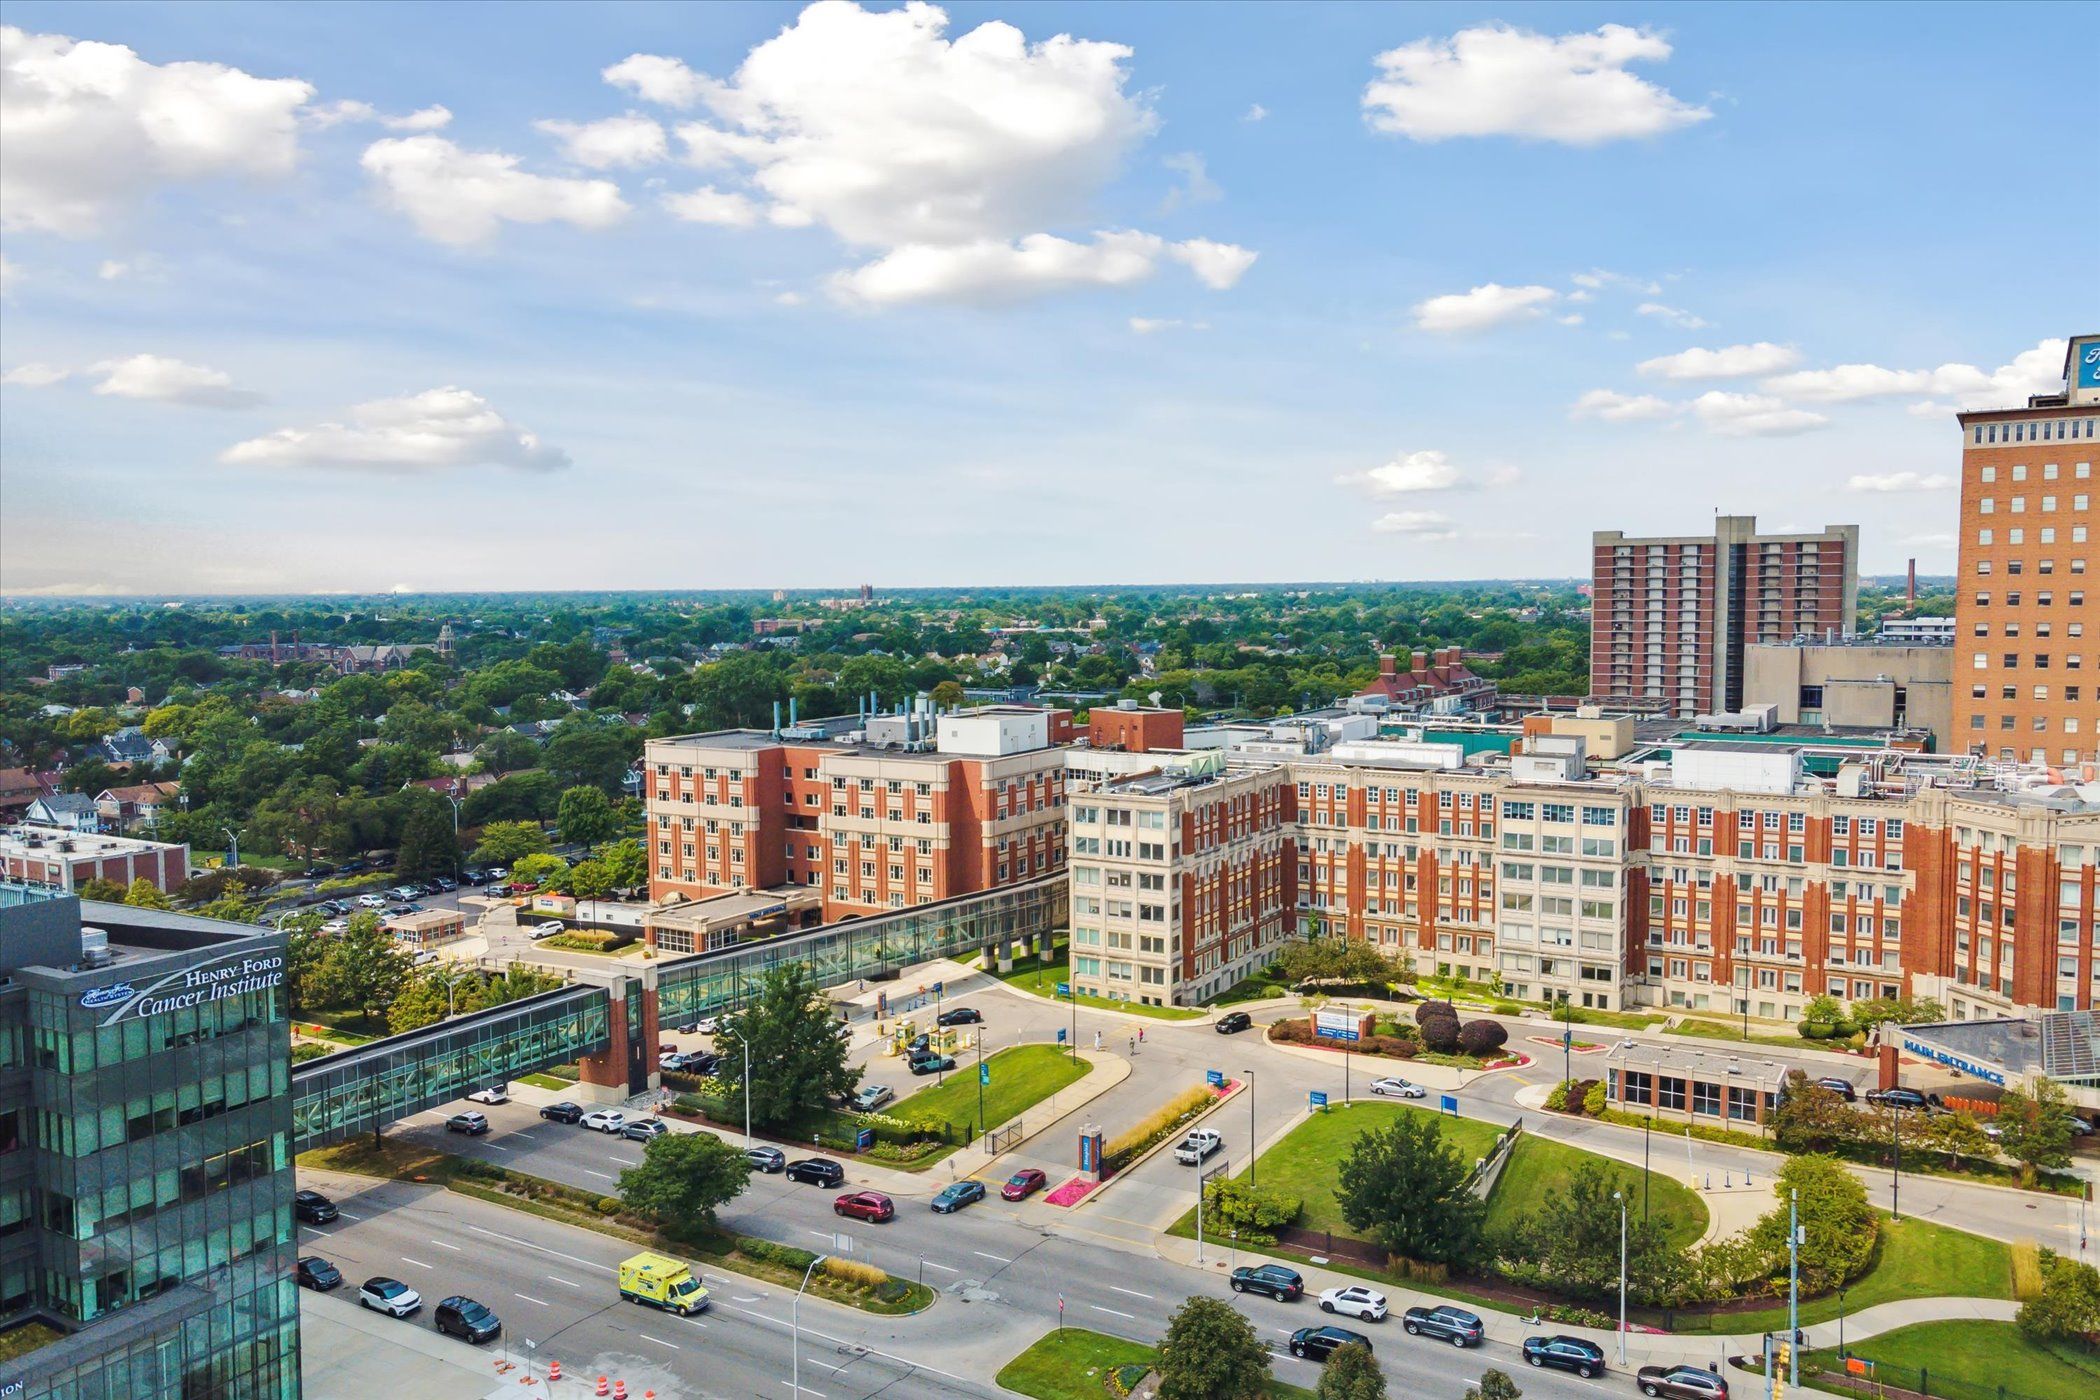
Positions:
(1896, 1179)
(233, 856)
(982, 1126)
(1793, 1290)
(795, 1313)
(1252, 1153)
(1620, 1197)
(1647, 1133)
(1841, 1322)
(746, 1042)
(1567, 1039)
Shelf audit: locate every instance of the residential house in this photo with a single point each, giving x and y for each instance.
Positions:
(138, 804)
(130, 745)
(18, 788)
(69, 811)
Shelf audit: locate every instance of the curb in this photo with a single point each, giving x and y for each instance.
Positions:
(1232, 1092)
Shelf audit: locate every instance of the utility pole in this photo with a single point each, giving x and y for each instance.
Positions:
(1620, 1197)
(1896, 1180)
(1793, 1290)
(982, 1126)
(1252, 1153)
(1647, 1132)
(741, 1036)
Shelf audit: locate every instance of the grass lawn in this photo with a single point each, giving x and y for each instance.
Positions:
(1042, 978)
(1069, 1363)
(359, 1026)
(1983, 1356)
(1733, 1030)
(1022, 1077)
(1917, 1259)
(546, 1081)
(1539, 1165)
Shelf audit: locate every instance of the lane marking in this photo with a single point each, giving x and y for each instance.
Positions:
(995, 1257)
(942, 1267)
(1131, 1291)
(348, 1216)
(498, 1146)
(453, 1247)
(528, 1244)
(1112, 1312)
(528, 1298)
(659, 1341)
(804, 1389)
(600, 1175)
(417, 1262)
(563, 1282)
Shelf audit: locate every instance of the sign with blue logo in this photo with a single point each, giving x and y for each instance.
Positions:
(1064, 989)
(1449, 1104)
(984, 1073)
(100, 997)
(1317, 1098)
(2086, 373)
(936, 989)
(1215, 1078)
(1060, 1035)
(864, 1139)
(1925, 1050)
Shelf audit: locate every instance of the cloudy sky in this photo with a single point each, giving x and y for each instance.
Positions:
(359, 297)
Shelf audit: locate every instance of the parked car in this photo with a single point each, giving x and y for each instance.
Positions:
(671, 1062)
(1319, 1343)
(869, 1097)
(954, 1197)
(1198, 1145)
(467, 1319)
(1233, 1022)
(765, 1159)
(1023, 1184)
(1841, 1087)
(474, 875)
(920, 1044)
(645, 1129)
(336, 926)
(816, 1171)
(1905, 1100)
(494, 1094)
(605, 1120)
(314, 1208)
(865, 1205)
(444, 884)
(1355, 1301)
(546, 928)
(563, 1112)
(1585, 1359)
(1279, 1283)
(472, 1124)
(390, 1296)
(931, 1063)
(707, 1025)
(371, 901)
(1393, 1087)
(960, 1016)
(1681, 1383)
(701, 1062)
(1453, 1325)
(498, 872)
(318, 1274)
(395, 911)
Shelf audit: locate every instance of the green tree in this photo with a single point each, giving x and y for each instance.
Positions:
(506, 843)
(684, 1178)
(515, 984)
(1570, 1243)
(590, 881)
(591, 752)
(586, 816)
(1494, 1385)
(428, 846)
(365, 969)
(798, 1058)
(1838, 1225)
(2068, 1306)
(420, 1003)
(2035, 1126)
(1406, 1186)
(1212, 1352)
(1810, 1118)
(144, 894)
(306, 949)
(100, 890)
(538, 869)
(1959, 1135)
(1351, 1374)
(625, 862)
(948, 695)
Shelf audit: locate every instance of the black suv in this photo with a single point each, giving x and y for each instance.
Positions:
(816, 1171)
(960, 1016)
(1841, 1087)
(1273, 1279)
(318, 1274)
(1319, 1343)
(563, 1112)
(1899, 1098)
(313, 1208)
(465, 1318)
(1454, 1325)
(1585, 1359)
(1233, 1021)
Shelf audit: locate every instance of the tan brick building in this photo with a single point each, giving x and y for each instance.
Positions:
(2027, 678)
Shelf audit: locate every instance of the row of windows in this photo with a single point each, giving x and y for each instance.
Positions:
(2018, 535)
(2047, 430)
(2017, 505)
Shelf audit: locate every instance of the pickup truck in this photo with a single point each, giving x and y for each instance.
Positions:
(1198, 1145)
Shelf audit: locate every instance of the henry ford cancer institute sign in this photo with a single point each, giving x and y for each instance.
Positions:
(232, 976)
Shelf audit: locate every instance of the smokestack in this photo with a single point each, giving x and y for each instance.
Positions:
(791, 712)
(776, 719)
(1387, 666)
(1911, 594)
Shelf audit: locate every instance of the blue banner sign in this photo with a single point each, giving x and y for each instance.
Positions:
(1318, 1098)
(1215, 1078)
(1449, 1104)
(1953, 1061)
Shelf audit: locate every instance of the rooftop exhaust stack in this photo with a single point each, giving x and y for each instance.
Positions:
(776, 719)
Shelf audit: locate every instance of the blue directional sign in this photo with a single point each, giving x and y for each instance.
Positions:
(864, 1139)
(1449, 1104)
(1064, 989)
(936, 989)
(984, 1073)
(1060, 1035)
(1318, 1098)
(1215, 1078)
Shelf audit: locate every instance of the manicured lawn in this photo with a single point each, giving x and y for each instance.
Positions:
(1022, 1077)
(545, 1081)
(1983, 1356)
(1069, 1364)
(1539, 1165)
(1041, 978)
(1733, 1030)
(1917, 1259)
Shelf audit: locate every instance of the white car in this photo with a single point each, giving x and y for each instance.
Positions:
(547, 929)
(1355, 1301)
(371, 901)
(495, 1093)
(605, 1120)
(336, 926)
(1198, 1145)
(1393, 1088)
(869, 1097)
(708, 1025)
(390, 1296)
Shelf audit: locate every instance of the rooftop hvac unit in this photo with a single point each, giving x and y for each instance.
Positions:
(94, 947)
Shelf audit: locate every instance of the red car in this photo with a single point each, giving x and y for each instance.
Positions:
(1023, 1184)
(865, 1205)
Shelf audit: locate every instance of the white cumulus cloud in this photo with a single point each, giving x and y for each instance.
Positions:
(1490, 305)
(1410, 472)
(2035, 371)
(436, 430)
(1615, 407)
(432, 118)
(1671, 315)
(951, 160)
(1890, 482)
(612, 143)
(708, 205)
(1153, 325)
(35, 376)
(165, 380)
(1728, 362)
(1752, 415)
(92, 128)
(461, 197)
(1416, 524)
(1255, 113)
(1498, 81)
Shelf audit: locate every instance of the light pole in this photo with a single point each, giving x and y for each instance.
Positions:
(982, 1126)
(1647, 1132)
(233, 839)
(745, 1041)
(1841, 1322)
(1793, 1290)
(795, 1313)
(1620, 1197)
(1567, 1039)
(940, 1075)
(1251, 1152)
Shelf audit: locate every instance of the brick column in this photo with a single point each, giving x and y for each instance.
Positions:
(608, 1068)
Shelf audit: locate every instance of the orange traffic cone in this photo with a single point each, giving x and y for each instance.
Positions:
(619, 1390)
(603, 1388)
(553, 1372)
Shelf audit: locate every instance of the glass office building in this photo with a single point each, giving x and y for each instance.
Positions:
(145, 1154)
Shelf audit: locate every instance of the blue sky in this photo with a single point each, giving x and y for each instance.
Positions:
(861, 296)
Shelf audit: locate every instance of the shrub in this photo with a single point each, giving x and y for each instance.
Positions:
(785, 1256)
(2026, 1270)
(1435, 1011)
(1440, 1034)
(608, 1205)
(1508, 1008)
(855, 1273)
(1482, 1037)
(1593, 1097)
(1252, 1211)
(1156, 1125)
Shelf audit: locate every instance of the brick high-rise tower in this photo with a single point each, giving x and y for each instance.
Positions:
(2027, 672)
